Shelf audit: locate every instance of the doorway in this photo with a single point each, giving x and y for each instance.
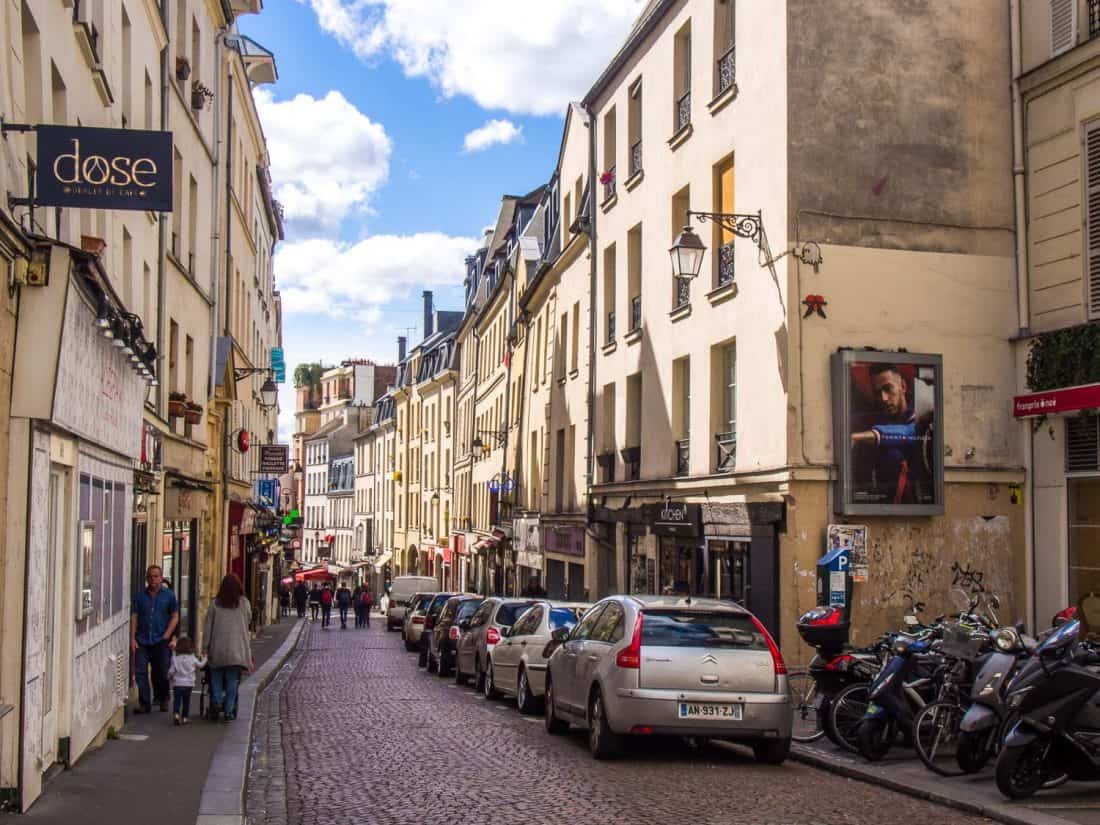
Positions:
(55, 555)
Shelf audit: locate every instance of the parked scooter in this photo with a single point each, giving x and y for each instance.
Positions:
(1056, 695)
(903, 686)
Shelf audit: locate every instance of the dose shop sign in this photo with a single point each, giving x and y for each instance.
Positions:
(104, 168)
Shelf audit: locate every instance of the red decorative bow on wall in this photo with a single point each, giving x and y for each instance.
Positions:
(814, 303)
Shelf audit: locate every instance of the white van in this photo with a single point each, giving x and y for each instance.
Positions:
(402, 589)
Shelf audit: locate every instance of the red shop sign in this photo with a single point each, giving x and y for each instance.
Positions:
(1084, 397)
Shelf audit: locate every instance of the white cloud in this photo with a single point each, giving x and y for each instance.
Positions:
(327, 158)
(523, 56)
(494, 131)
(321, 276)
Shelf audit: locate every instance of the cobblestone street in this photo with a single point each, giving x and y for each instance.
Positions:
(367, 737)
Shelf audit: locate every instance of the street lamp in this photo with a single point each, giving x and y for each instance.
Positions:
(269, 394)
(687, 251)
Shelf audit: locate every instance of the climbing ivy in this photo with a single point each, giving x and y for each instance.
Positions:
(1064, 358)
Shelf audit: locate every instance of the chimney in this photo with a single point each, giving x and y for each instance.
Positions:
(429, 315)
(400, 348)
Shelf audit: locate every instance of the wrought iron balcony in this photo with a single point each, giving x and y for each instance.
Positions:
(635, 312)
(636, 156)
(610, 326)
(725, 264)
(683, 292)
(609, 185)
(683, 456)
(607, 464)
(1093, 7)
(632, 458)
(726, 444)
(726, 71)
(683, 110)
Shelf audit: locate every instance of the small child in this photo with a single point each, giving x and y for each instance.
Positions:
(182, 677)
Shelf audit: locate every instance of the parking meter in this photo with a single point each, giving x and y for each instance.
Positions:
(834, 580)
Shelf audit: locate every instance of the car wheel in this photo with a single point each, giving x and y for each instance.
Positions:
(433, 664)
(488, 682)
(772, 751)
(603, 743)
(409, 646)
(554, 725)
(441, 667)
(479, 677)
(460, 677)
(525, 700)
(422, 656)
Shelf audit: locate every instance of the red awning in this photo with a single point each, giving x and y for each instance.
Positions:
(1053, 402)
(316, 574)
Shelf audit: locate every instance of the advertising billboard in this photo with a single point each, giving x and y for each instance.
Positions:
(887, 432)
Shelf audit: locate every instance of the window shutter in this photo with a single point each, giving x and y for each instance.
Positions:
(1083, 444)
(1092, 216)
(1063, 26)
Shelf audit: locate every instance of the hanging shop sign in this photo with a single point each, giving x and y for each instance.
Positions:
(888, 432)
(1053, 402)
(676, 519)
(274, 458)
(86, 168)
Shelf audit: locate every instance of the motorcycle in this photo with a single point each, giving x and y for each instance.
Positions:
(901, 689)
(1057, 695)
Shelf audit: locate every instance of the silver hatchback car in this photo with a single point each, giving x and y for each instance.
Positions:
(415, 616)
(662, 665)
(480, 636)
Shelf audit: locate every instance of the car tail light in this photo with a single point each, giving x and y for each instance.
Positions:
(452, 634)
(641, 729)
(840, 663)
(777, 657)
(492, 636)
(429, 623)
(631, 655)
(418, 620)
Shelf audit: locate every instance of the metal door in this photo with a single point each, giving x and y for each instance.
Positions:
(54, 564)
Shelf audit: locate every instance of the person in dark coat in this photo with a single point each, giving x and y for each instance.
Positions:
(534, 590)
(314, 601)
(343, 604)
(301, 595)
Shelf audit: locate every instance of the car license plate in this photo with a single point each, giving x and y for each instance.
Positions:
(707, 710)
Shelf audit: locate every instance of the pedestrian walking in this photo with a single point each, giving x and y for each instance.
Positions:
(301, 596)
(343, 604)
(356, 606)
(534, 590)
(228, 650)
(366, 601)
(314, 601)
(384, 603)
(154, 614)
(326, 605)
(284, 600)
(182, 676)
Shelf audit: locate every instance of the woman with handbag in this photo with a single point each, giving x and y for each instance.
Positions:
(228, 646)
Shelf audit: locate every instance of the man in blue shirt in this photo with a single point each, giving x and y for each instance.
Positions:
(154, 614)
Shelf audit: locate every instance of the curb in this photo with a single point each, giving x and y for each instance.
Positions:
(222, 800)
(1001, 812)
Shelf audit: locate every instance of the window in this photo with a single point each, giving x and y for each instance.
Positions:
(127, 268)
(607, 453)
(148, 101)
(529, 622)
(192, 223)
(1092, 176)
(681, 80)
(1063, 26)
(634, 128)
(585, 627)
(559, 468)
(611, 624)
(177, 203)
(173, 356)
(634, 275)
(723, 45)
(567, 214)
(673, 628)
(608, 155)
(632, 455)
(574, 354)
(560, 352)
(609, 292)
(681, 413)
(127, 71)
(724, 393)
(681, 287)
(722, 238)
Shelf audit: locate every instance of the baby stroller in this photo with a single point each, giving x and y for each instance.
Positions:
(204, 694)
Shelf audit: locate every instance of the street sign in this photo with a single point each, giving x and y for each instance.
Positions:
(274, 458)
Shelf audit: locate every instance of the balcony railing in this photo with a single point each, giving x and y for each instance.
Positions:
(726, 70)
(607, 464)
(725, 264)
(683, 292)
(726, 444)
(683, 456)
(609, 185)
(635, 313)
(632, 458)
(636, 155)
(610, 326)
(683, 110)
(1094, 17)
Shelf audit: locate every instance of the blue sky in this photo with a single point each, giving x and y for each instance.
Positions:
(376, 154)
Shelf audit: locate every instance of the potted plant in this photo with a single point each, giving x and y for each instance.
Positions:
(199, 95)
(183, 68)
(177, 404)
(193, 413)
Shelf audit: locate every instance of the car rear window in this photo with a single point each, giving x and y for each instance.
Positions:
(508, 613)
(438, 602)
(467, 609)
(563, 617)
(685, 628)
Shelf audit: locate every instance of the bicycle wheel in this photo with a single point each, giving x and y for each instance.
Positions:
(936, 737)
(806, 703)
(846, 713)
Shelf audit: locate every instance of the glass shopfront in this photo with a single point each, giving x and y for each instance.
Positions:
(178, 565)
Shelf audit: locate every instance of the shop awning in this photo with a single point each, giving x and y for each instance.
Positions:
(316, 574)
(381, 560)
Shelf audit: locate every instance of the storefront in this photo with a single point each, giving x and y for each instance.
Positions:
(528, 543)
(563, 546)
(180, 546)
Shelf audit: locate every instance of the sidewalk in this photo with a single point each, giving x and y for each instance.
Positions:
(153, 774)
(1075, 803)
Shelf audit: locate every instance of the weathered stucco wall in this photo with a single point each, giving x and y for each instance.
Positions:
(977, 545)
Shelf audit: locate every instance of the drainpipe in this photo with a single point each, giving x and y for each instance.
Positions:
(215, 208)
(162, 237)
(1023, 296)
(506, 422)
(590, 438)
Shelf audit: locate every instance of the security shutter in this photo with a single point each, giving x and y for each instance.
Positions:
(1092, 216)
(1063, 26)
(1083, 444)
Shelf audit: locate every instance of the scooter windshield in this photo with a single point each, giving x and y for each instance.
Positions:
(1064, 635)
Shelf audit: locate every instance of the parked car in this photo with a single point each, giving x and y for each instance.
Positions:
(446, 632)
(431, 615)
(402, 589)
(638, 665)
(414, 620)
(475, 647)
(518, 663)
